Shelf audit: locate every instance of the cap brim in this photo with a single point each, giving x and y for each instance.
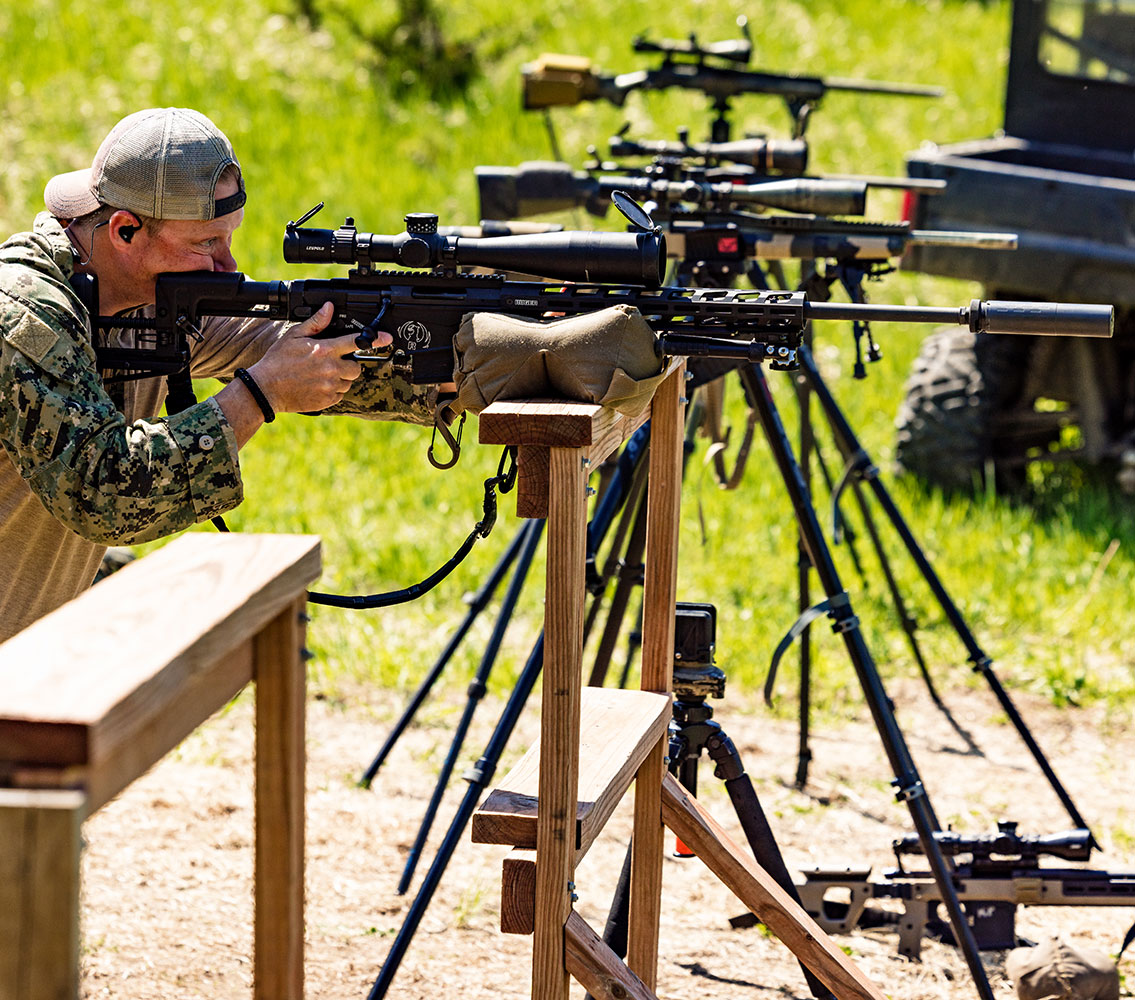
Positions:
(69, 196)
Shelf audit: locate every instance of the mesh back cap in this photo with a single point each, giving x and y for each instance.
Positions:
(162, 162)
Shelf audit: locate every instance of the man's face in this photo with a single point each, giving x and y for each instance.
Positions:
(186, 245)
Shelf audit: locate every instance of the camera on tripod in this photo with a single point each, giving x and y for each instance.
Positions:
(696, 677)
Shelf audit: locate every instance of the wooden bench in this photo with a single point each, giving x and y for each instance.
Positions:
(594, 742)
(94, 694)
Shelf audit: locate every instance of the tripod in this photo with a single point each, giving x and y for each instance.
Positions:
(692, 730)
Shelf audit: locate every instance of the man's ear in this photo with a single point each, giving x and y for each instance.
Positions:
(123, 225)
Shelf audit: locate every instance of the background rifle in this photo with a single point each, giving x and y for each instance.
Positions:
(547, 186)
(422, 310)
(1002, 871)
(560, 80)
(741, 161)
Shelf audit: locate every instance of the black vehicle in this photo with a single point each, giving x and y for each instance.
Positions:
(1061, 176)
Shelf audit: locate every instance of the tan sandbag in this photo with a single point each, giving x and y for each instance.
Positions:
(606, 357)
(1057, 970)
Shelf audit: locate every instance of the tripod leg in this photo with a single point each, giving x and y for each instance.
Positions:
(803, 589)
(907, 780)
(622, 494)
(981, 661)
(532, 531)
(628, 576)
(478, 777)
(755, 824)
(477, 604)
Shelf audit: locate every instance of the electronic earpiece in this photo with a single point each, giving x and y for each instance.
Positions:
(127, 233)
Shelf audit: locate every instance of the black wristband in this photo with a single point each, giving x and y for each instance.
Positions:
(257, 394)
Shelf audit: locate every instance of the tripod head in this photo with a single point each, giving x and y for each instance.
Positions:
(696, 677)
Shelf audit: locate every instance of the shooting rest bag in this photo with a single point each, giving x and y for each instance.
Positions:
(1057, 970)
(605, 357)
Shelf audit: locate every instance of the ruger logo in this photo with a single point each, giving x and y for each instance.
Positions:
(416, 334)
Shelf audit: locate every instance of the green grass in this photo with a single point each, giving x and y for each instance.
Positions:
(312, 122)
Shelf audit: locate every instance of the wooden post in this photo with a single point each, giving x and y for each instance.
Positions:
(39, 893)
(559, 713)
(664, 490)
(278, 670)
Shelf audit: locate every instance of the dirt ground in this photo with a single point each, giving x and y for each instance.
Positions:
(167, 866)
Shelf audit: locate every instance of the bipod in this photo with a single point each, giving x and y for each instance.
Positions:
(837, 606)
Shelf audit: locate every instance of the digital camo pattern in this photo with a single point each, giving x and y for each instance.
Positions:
(383, 393)
(107, 479)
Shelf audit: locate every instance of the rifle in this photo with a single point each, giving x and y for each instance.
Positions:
(746, 160)
(999, 872)
(559, 80)
(422, 310)
(537, 187)
(725, 238)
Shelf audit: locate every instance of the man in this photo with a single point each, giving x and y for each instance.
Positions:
(87, 462)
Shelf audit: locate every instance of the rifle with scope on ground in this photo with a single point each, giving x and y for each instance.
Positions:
(422, 310)
(996, 873)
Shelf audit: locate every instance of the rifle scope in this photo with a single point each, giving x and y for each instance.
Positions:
(777, 156)
(537, 187)
(1069, 845)
(637, 258)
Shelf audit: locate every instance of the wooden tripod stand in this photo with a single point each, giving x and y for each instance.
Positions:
(595, 741)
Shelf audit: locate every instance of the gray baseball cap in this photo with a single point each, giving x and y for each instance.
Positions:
(162, 162)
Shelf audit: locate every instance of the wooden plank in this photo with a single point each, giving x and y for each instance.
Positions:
(598, 968)
(155, 671)
(532, 481)
(756, 889)
(559, 720)
(617, 729)
(558, 424)
(39, 893)
(518, 891)
(279, 865)
(664, 489)
(663, 498)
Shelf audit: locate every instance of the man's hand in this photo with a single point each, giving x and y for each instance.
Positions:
(302, 373)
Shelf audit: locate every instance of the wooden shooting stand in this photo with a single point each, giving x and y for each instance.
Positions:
(595, 741)
(95, 693)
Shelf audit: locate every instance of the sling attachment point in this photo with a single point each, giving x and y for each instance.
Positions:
(443, 417)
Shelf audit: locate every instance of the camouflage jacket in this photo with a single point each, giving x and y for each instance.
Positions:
(86, 464)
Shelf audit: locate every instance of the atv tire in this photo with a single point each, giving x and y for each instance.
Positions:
(958, 385)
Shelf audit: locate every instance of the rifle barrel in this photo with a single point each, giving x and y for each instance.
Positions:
(1047, 319)
(961, 238)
